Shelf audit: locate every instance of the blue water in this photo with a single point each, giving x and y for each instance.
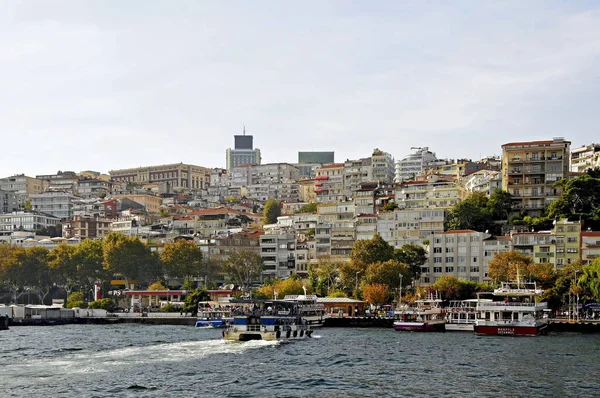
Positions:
(182, 361)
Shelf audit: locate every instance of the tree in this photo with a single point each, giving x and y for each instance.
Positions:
(413, 256)
(157, 286)
(388, 273)
(590, 278)
(63, 262)
(243, 268)
(327, 273)
(308, 208)
(34, 264)
(558, 294)
(126, 256)
(191, 301)
(500, 204)
(580, 199)
(471, 213)
(271, 212)
(182, 259)
(90, 267)
(367, 251)
(390, 206)
(452, 288)
(506, 266)
(283, 287)
(376, 293)
(11, 272)
(75, 299)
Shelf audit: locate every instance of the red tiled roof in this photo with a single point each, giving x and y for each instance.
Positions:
(590, 233)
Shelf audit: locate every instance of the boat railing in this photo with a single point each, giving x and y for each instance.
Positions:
(510, 304)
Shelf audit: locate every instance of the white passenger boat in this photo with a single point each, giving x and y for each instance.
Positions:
(515, 311)
(307, 307)
(461, 315)
(266, 327)
(426, 316)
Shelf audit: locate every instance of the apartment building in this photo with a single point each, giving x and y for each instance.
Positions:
(357, 172)
(278, 251)
(383, 167)
(590, 246)
(22, 185)
(93, 188)
(585, 157)
(169, 176)
(464, 254)
(25, 221)
(568, 242)
(329, 183)
(432, 193)
(87, 227)
(410, 226)
(55, 203)
(151, 203)
(9, 201)
(412, 165)
(529, 170)
(484, 181)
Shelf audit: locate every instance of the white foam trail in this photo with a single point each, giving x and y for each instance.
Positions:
(123, 358)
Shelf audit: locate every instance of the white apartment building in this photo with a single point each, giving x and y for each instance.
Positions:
(382, 164)
(366, 226)
(410, 226)
(463, 254)
(25, 221)
(433, 193)
(278, 251)
(55, 203)
(485, 181)
(585, 157)
(412, 165)
(355, 173)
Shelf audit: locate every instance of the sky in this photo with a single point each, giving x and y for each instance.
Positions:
(103, 85)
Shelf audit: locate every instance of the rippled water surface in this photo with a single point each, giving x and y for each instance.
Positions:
(180, 361)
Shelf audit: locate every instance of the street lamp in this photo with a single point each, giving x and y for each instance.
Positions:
(356, 287)
(576, 314)
(400, 290)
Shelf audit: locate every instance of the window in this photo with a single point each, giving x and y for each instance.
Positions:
(572, 250)
(545, 249)
(437, 260)
(437, 249)
(474, 270)
(461, 259)
(437, 269)
(449, 259)
(449, 250)
(474, 259)
(449, 240)
(462, 269)
(572, 239)
(449, 269)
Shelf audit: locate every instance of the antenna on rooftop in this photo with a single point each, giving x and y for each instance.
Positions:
(244, 129)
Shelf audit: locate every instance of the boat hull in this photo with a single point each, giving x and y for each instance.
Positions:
(459, 327)
(507, 330)
(216, 323)
(244, 335)
(419, 327)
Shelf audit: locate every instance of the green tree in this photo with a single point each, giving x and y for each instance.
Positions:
(11, 272)
(557, 295)
(75, 299)
(104, 304)
(63, 262)
(590, 279)
(414, 256)
(126, 256)
(243, 268)
(367, 251)
(327, 272)
(308, 208)
(388, 273)
(471, 213)
(500, 204)
(390, 206)
(34, 264)
(271, 212)
(580, 199)
(452, 288)
(191, 301)
(182, 259)
(90, 263)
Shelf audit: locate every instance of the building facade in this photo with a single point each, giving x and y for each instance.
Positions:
(316, 157)
(168, 176)
(411, 166)
(243, 152)
(529, 170)
(55, 203)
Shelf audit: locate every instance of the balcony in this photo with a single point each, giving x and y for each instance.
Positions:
(544, 255)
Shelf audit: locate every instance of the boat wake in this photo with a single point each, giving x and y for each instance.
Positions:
(130, 357)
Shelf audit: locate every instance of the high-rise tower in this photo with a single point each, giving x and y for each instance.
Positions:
(243, 152)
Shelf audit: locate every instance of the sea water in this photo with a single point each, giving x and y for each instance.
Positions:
(129, 360)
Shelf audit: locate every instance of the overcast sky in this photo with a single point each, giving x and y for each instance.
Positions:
(101, 85)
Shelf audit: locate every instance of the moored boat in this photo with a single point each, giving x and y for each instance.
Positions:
(461, 315)
(515, 311)
(426, 316)
(307, 307)
(211, 316)
(266, 327)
